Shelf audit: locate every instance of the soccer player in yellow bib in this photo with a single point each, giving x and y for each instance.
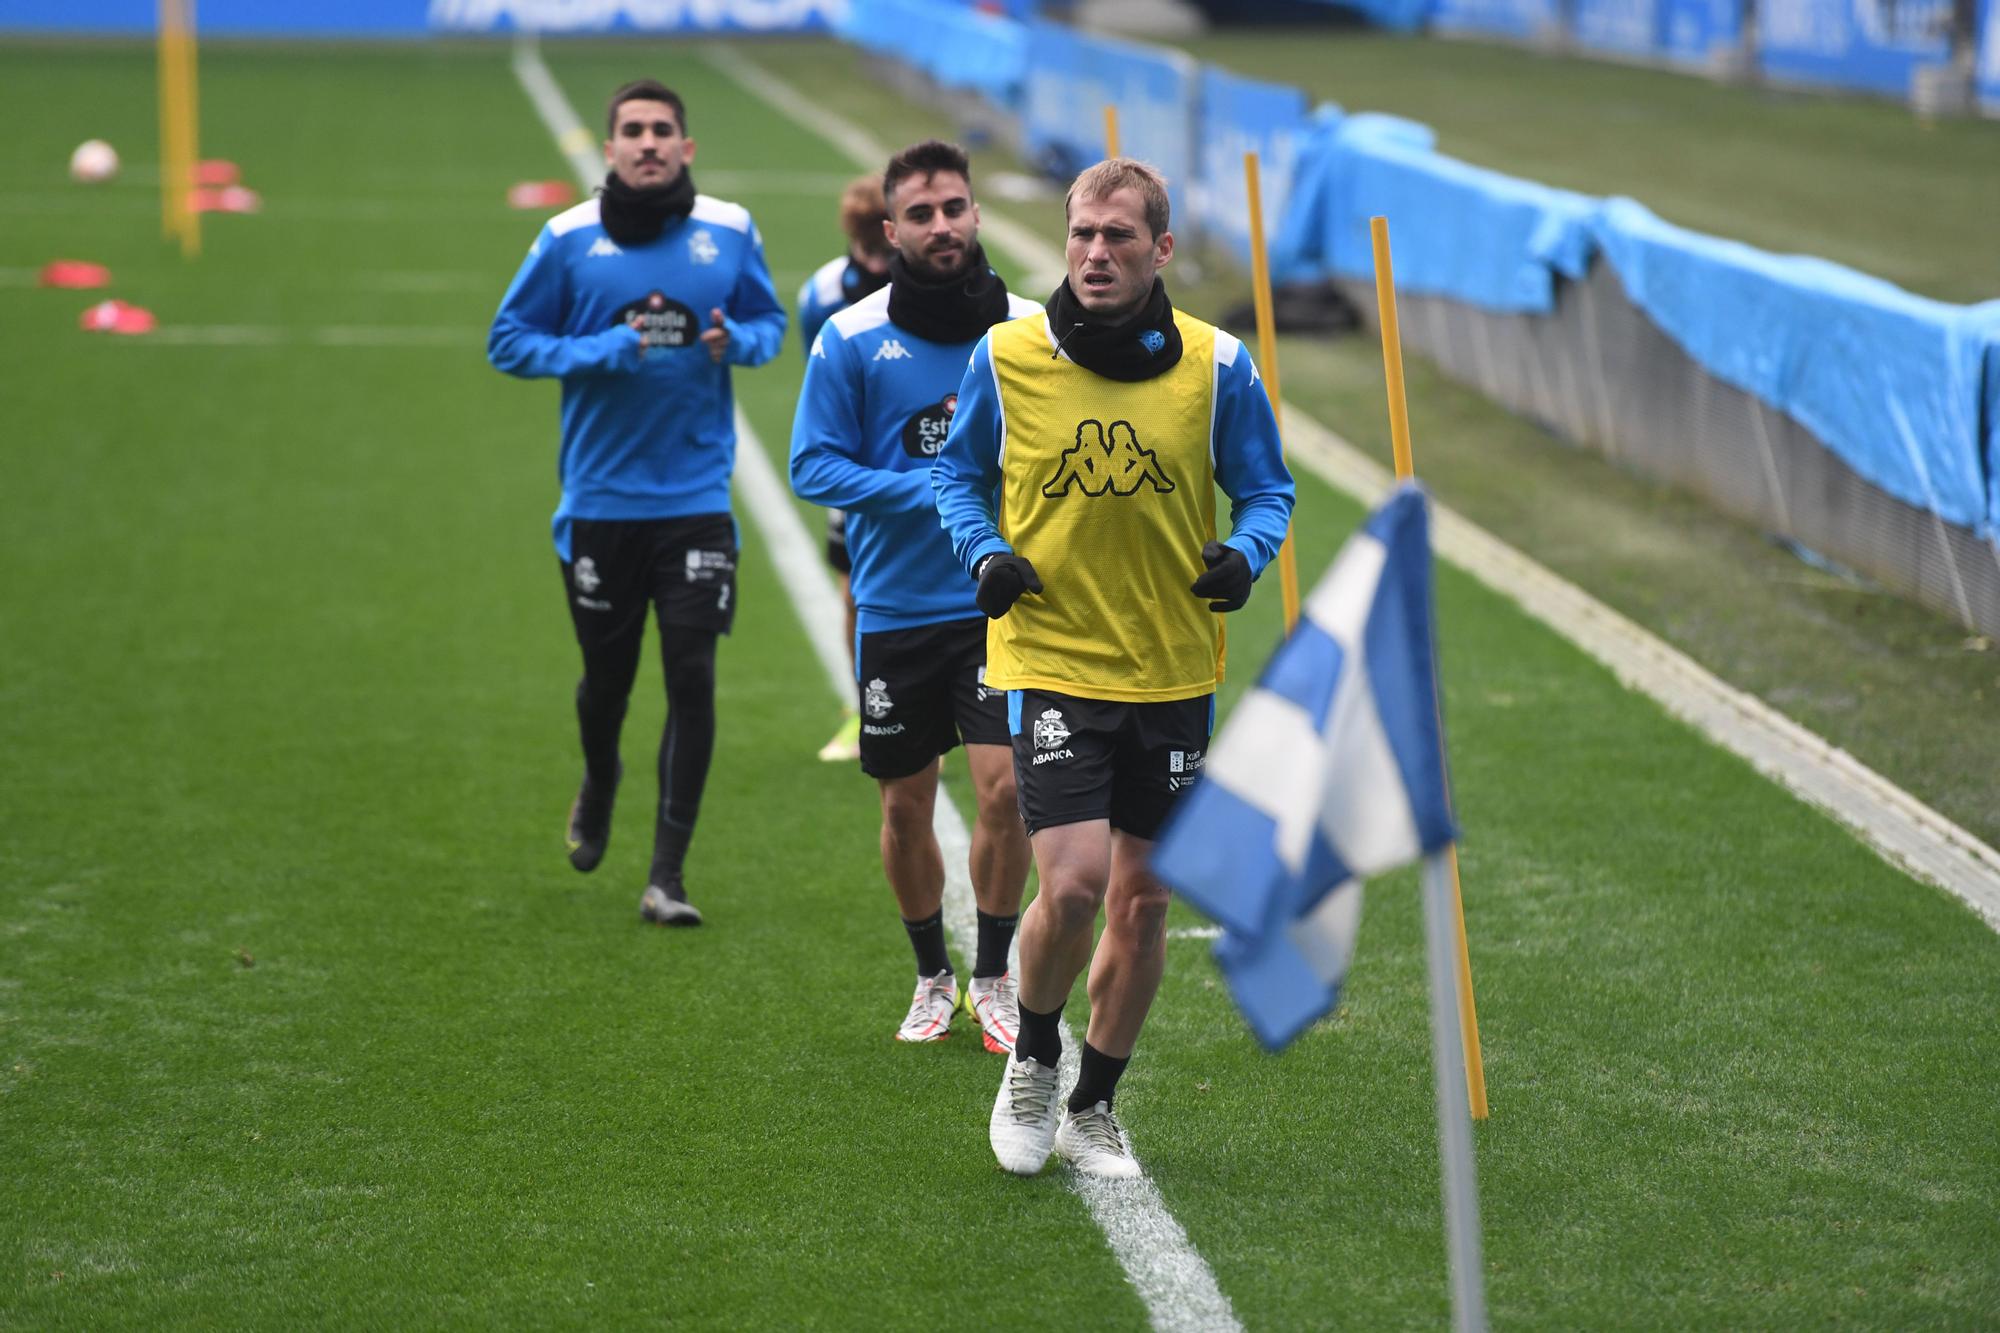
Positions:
(1078, 486)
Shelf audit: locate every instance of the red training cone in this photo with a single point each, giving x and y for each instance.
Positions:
(74, 273)
(117, 317)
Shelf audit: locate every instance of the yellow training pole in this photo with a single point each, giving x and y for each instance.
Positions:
(1267, 358)
(1110, 130)
(1399, 434)
(177, 125)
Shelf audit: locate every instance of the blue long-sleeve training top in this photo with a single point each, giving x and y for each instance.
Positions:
(647, 435)
(876, 406)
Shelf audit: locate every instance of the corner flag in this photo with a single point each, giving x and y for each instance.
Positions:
(1330, 770)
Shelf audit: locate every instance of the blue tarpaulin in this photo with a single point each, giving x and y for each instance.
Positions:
(1400, 15)
(1892, 383)
(1871, 44)
(1241, 116)
(1456, 230)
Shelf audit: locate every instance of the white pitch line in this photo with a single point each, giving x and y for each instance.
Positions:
(1172, 1280)
(1900, 828)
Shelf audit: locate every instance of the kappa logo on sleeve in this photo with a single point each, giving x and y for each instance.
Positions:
(1107, 462)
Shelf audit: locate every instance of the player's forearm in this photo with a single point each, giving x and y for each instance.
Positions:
(1257, 525)
(534, 354)
(828, 478)
(754, 341)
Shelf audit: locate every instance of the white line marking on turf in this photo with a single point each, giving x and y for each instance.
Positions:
(1172, 1280)
(1903, 830)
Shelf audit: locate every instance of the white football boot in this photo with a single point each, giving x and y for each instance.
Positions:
(1093, 1143)
(667, 906)
(1023, 1126)
(996, 1003)
(931, 1009)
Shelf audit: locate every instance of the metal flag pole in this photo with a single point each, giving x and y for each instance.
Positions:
(1267, 357)
(1461, 1184)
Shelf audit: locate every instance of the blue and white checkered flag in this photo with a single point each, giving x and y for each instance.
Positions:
(1329, 771)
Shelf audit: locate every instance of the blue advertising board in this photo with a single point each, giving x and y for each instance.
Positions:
(1623, 27)
(1701, 33)
(1873, 45)
(413, 18)
(1073, 77)
(1523, 20)
(1241, 116)
(1989, 60)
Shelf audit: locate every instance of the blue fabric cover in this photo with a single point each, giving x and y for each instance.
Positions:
(1989, 56)
(1892, 383)
(1455, 230)
(1696, 32)
(1239, 116)
(1624, 27)
(1072, 76)
(1522, 20)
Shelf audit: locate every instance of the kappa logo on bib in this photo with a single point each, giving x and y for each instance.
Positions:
(1107, 462)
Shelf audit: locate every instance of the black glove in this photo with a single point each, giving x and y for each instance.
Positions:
(1002, 580)
(1227, 580)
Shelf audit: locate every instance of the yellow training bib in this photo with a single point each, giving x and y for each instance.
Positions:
(1108, 489)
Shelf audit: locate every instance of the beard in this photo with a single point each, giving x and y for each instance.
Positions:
(925, 269)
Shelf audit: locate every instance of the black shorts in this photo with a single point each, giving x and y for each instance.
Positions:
(923, 691)
(685, 567)
(836, 542)
(1078, 759)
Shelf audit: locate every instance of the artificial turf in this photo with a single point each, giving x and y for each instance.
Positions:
(304, 1018)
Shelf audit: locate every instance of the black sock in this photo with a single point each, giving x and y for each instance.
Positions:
(599, 716)
(927, 938)
(670, 848)
(1040, 1037)
(995, 934)
(1096, 1076)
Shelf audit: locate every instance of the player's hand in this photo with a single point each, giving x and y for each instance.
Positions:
(637, 323)
(716, 338)
(1227, 580)
(1002, 580)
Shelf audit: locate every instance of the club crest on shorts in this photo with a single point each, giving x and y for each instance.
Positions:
(875, 699)
(1049, 730)
(584, 575)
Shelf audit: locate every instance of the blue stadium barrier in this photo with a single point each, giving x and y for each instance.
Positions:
(1522, 20)
(1397, 15)
(1073, 75)
(1619, 27)
(1239, 116)
(1876, 45)
(958, 46)
(415, 18)
(1459, 231)
(1989, 56)
(1700, 32)
(1895, 384)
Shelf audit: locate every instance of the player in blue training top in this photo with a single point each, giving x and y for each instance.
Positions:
(1078, 484)
(639, 301)
(835, 285)
(881, 385)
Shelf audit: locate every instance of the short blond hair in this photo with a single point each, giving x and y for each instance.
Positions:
(1124, 173)
(862, 212)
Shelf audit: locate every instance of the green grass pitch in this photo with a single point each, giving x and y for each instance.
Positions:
(304, 1018)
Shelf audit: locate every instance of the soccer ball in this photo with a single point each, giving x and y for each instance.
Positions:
(94, 160)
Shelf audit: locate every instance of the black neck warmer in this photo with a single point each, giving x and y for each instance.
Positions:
(1143, 344)
(956, 309)
(857, 282)
(637, 217)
